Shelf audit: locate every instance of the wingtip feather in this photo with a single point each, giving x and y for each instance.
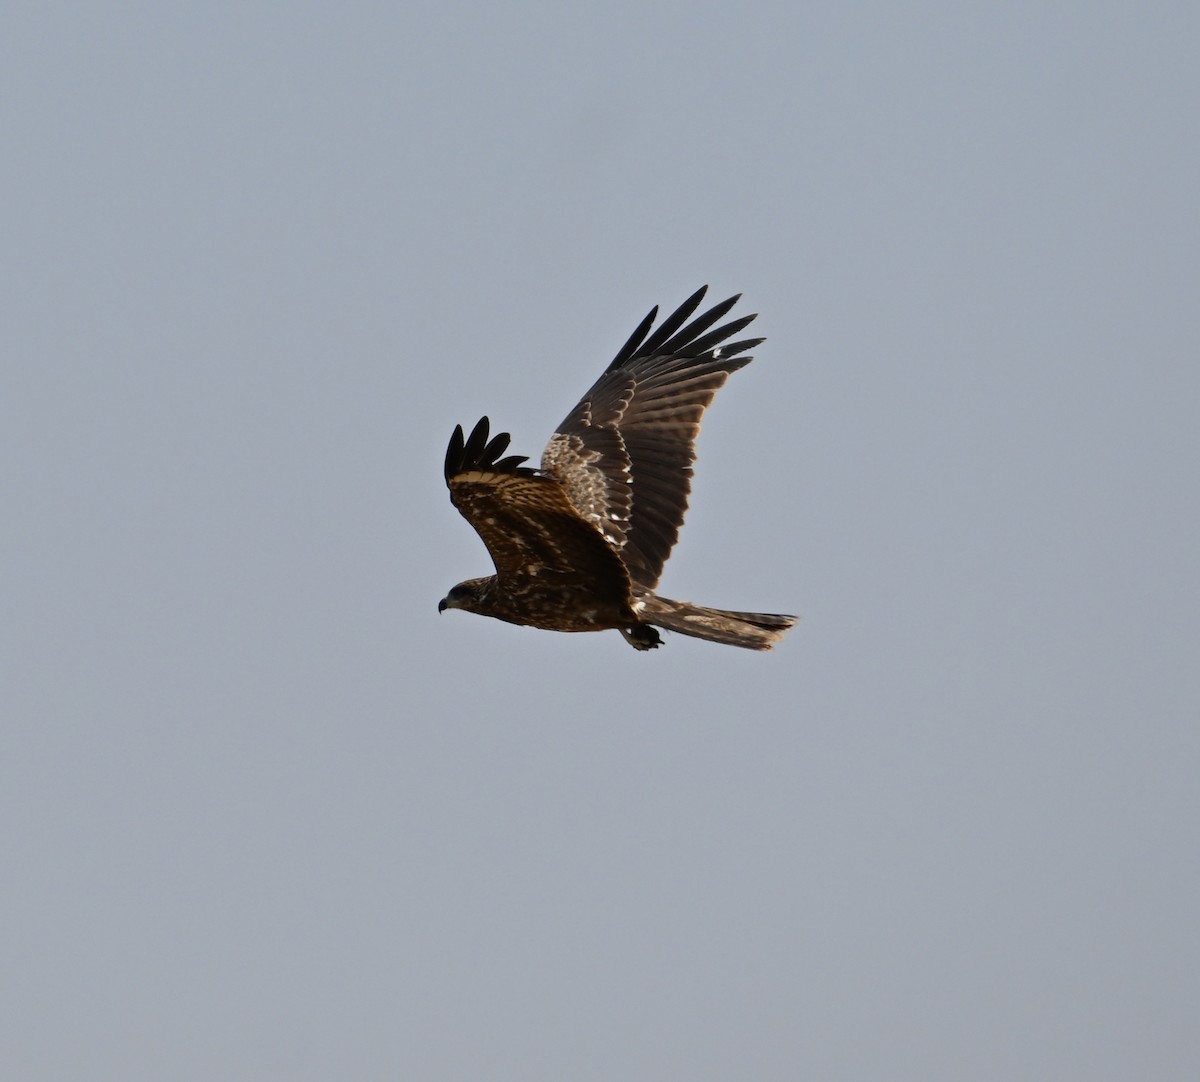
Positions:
(478, 452)
(676, 336)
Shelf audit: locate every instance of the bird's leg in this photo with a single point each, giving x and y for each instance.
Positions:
(642, 637)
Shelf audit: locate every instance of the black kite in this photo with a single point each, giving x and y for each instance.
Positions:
(579, 545)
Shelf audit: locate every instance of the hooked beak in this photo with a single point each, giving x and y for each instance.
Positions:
(442, 606)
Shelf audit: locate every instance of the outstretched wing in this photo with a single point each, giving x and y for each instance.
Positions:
(524, 517)
(624, 454)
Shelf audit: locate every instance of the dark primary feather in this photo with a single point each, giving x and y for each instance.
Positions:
(477, 452)
(687, 342)
(625, 452)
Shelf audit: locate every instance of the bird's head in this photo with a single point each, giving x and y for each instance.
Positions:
(466, 595)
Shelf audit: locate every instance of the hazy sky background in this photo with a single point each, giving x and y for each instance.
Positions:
(266, 815)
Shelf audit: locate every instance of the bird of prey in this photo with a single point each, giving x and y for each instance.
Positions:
(579, 544)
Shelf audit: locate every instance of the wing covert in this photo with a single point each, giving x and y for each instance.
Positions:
(524, 518)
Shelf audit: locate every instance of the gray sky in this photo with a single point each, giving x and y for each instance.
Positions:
(266, 815)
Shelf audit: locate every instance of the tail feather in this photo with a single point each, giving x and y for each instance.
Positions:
(752, 630)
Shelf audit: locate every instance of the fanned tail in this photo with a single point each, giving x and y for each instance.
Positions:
(752, 630)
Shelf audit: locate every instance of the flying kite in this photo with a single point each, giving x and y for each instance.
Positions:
(579, 544)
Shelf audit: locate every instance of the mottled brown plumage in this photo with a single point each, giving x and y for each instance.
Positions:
(579, 545)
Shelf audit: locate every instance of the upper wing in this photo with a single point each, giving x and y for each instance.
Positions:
(624, 454)
(524, 518)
